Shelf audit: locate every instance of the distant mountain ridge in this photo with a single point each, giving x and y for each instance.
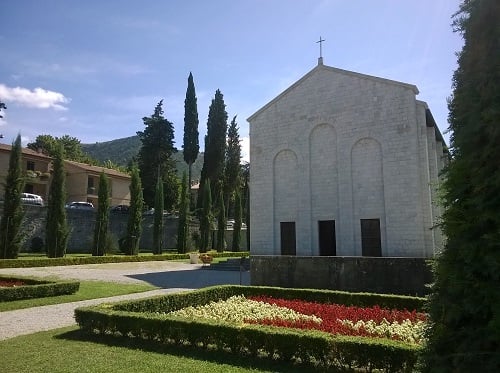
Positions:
(122, 151)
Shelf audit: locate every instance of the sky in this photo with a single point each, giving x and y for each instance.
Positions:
(93, 69)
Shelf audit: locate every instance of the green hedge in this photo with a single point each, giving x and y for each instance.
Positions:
(36, 289)
(47, 262)
(138, 319)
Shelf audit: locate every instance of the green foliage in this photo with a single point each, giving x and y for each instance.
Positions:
(221, 223)
(232, 170)
(48, 145)
(465, 302)
(102, 220)
(10, 225)
(56, 229)
(191, 146)
(183, 227)
(158, 218)
(35, 289)
(235, 246)
(206, 217)
(155, 158)
(215, 145)
(138, 319)
(134, 228)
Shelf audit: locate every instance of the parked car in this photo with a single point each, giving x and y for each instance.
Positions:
(31, 199)
(120, 209)
(80, 205)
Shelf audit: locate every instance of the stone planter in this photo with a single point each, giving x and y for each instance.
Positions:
(193, 258)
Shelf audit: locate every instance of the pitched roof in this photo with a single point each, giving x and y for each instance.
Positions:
(321, 67)
(96, 169)
(25, 151)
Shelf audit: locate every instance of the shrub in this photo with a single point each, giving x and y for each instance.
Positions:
(36, 289)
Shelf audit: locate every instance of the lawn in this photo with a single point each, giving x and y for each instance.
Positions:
(88, 290)
(67, 350)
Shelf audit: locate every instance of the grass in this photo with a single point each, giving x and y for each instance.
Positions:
(68, 350)
(88, 290)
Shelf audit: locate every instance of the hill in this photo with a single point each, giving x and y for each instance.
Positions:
(122, 151)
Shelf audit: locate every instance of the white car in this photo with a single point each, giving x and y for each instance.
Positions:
(31, 199)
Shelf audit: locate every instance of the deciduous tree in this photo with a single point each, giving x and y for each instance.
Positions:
(464, 306)
(10, 225)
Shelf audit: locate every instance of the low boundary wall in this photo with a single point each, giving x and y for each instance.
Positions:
(387, 275)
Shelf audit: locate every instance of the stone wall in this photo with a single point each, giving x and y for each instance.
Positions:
(82, 222)
(407, 276)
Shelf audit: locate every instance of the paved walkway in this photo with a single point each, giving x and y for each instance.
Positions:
(168, 276)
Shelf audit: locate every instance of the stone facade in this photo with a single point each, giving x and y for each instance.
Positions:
(345, 160)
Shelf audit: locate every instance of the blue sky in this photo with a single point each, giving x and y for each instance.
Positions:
(93, 69)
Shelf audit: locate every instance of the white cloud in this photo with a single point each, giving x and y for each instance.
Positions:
(37, 98)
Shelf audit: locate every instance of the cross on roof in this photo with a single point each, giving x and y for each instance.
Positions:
(320, 41)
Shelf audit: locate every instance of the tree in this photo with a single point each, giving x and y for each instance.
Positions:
(191, 146)
(221, 224)
(10, 225)
(245, 174)
(48, 144)
(237, 222)
(2, 106)
(158, 218)
(206, 217)
(215, 145)
(155, 157)
(102, 220)
(56, 231)
(464, 305)
(134, 228)
(232, 171)
(183, 227)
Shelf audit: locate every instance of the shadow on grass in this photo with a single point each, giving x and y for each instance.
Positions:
(194, 353)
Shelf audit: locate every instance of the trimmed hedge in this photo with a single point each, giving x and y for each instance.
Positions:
(36, 289)
(138, 319)
(48, 262)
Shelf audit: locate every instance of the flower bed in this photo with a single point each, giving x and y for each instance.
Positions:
(152, 319)
(12, 288)
(331, 318)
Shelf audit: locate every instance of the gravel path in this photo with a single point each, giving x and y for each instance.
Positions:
(168, 276)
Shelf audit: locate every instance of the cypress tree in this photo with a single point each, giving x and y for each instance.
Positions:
(158, 218)
(10, 225)
(183, 228)
(191, 146)
(134, 228)
(102, 219)
(57, 231)
(221, 224)
(232, 170)
(237, 222)
(206, 217)
(464, 305)
(215, 145)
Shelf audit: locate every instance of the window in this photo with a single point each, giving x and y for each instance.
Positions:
(327, 240)
(288, 245)
(370, 237)
(30, 166)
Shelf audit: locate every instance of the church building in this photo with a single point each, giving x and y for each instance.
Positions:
(345, 164)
